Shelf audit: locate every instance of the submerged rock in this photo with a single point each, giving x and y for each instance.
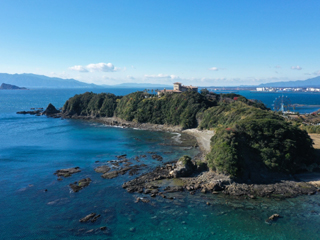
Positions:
(91, 217)
(157, 157)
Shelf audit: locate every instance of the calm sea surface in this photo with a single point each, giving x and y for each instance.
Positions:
(33, 148)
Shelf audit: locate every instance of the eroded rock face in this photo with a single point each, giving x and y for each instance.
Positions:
(184, 168)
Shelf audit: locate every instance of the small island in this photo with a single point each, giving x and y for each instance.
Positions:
(5, 86)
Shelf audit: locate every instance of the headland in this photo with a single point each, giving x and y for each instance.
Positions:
(247, 150)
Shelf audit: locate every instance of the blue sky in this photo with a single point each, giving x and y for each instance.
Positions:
(204, 43)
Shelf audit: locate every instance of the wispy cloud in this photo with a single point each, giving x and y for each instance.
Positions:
(277, 66)
(296, 67)
(317, 73)
(162, 76)
(130, 77)
(96, 67)
(214, 69)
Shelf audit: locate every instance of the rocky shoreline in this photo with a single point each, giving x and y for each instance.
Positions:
(199, 178)
(161, 181)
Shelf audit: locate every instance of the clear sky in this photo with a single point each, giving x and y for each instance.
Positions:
(203, 43)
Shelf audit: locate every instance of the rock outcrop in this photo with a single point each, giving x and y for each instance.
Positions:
(50, 110)
(184, 168)
(67, 172)
(77, 186)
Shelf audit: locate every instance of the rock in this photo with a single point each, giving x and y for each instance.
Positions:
(50, 110)
(76, 187)
(144, 200)
(67, 172)
(35, 112)
(273, 217)
(157, 157)
(184, 167)
(95, 218)
(121, 156)
(110, 175)
(88, 217)
(204, 190)
(133, 229)
(102, 169)
(103, 228)
(208, 203)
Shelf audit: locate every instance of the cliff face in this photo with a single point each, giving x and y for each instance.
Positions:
(247, 133)
(5, 86)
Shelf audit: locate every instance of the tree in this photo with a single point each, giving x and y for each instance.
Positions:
(204, 91)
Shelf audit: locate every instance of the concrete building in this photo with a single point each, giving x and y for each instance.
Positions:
(178, 88)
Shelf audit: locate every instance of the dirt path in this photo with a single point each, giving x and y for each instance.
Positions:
(203, 138)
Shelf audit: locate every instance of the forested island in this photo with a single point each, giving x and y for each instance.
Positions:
(254, 151)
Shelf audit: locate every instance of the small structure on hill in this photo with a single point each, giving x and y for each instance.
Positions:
(178, 88)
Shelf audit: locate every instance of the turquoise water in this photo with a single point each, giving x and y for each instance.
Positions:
(33, 148)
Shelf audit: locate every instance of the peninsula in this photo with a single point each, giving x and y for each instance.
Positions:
(250, 145)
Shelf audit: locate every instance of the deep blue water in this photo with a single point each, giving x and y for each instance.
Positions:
(33, 148)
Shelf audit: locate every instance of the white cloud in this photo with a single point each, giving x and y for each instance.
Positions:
(214, 69)
(162, 76)
(97, 67)
(79, 68)
(317, 73)
(296, 67)
(277, 66)
(101, 67)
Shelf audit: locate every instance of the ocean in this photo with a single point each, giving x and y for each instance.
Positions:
(32, 148)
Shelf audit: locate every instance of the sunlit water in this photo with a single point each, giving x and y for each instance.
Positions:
(33, 148)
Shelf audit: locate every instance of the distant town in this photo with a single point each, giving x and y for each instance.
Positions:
(287, 89)
(265, 89)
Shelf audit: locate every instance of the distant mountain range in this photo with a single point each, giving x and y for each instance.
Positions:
(311, 82)
(29, 80)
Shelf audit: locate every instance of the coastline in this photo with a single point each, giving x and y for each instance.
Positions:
(206, 181)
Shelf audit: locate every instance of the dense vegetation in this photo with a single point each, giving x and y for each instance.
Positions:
(247, 133)
(228, 113)
(173, 109)
(91, 104)
(272, 143)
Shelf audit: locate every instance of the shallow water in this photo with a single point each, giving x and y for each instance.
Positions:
(33, 148)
